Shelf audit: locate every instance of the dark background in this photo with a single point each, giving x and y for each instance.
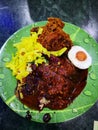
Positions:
(15, 14)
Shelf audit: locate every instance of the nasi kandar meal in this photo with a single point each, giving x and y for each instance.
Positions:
(50, 70)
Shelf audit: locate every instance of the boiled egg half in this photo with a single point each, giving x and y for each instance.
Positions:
(79, 57)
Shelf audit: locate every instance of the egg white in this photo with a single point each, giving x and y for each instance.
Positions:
(77, 63)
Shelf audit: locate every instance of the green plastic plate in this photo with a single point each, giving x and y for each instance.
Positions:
(81, 104)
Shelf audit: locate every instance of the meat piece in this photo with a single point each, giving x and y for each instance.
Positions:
(53, 37)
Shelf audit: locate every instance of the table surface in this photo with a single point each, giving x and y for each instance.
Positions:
(15, 14)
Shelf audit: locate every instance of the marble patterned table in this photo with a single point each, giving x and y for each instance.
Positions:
(15, 14)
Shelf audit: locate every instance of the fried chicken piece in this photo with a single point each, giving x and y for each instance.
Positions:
(53, 37)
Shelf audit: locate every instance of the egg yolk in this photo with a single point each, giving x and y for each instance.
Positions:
(81, 56)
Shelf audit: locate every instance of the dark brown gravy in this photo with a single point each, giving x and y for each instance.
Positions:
(59, 82)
